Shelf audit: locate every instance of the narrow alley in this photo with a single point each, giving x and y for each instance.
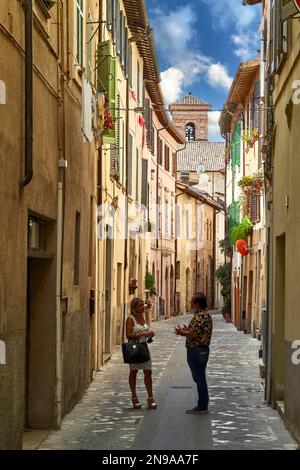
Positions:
(238, 417)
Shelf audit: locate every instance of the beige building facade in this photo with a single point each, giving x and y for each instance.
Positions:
(48, 209)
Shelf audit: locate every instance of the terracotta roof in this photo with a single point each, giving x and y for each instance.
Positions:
(197, 195)
(190, 100)
(209, 154)
(137, 21)
(240, 88)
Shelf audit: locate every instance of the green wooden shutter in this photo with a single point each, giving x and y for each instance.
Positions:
(107, 84)
(238, 144)
(236, 147)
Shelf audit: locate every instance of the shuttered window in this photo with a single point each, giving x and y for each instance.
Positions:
(138, 82)
(130, 152)
(130, 65)
(149, 124)
(106, 83)
(174, 164)
(80, 33)
(252, 207)
(256, 102)
(123, 41)
(167, 158)
(144, 182)
(236, 147)
(90, 47)
(126, 45)
(115, 148)
(118, 30)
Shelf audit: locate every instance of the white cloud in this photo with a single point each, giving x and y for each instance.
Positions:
(217, 76)
(176, 35)
(228, 13)
(232, 16)
(245, 44)
(172, 84)
(213, 126)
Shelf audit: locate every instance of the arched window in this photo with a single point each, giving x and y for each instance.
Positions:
(190, 132)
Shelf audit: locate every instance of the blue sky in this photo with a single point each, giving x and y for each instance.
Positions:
(200, 44)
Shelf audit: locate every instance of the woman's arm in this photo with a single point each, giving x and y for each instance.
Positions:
(129, 330)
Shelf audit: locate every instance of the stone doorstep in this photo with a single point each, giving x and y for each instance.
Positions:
(33, 438)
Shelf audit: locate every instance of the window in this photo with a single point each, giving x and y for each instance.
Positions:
(90, 47)
(130, 153)
(91, 237)
(138, 82)
(190, 132)
(77, 249)
(36, 234)
(167, 158)
(80, 33)
(177, 270)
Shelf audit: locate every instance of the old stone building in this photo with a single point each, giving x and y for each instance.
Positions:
(190, 116)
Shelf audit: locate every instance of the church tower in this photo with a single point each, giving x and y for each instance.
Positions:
(190, 116)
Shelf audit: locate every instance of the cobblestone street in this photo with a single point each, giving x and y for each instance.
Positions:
(238, 417)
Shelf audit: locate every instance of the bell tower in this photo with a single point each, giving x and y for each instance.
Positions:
(190, 116)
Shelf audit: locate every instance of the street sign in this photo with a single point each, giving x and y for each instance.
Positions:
(297, 4)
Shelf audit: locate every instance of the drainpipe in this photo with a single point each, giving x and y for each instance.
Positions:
(28, 94)
(125, 285)
(176, 246)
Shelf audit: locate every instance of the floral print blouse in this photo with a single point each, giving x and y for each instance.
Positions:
(201, 324)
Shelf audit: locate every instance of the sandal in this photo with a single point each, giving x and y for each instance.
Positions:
(151, 403)
(136, 404)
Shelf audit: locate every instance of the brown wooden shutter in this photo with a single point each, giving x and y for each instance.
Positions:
(145, 182)
(129, 170)
(174, 164)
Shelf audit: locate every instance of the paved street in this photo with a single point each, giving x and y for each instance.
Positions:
(238, 418)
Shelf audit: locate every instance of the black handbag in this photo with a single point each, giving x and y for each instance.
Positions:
(135, 353)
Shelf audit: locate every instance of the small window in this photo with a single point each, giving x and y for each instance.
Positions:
(80, 33)
(190, 132)
(36, 234)
(77, 249)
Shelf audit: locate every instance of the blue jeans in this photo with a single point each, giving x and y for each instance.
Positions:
(197, 360)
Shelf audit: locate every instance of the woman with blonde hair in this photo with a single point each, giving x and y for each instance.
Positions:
(138, 330)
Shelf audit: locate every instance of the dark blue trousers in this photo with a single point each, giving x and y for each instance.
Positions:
(197, 360)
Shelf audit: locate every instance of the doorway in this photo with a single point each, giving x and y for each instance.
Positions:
(279, 327)
(108, 294)
(40, 351)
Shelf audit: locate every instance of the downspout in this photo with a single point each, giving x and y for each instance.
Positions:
(126, 211)
(28, 94)
(176, 246)
(62, 164)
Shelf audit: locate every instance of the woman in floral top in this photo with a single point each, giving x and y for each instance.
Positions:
(198, 336)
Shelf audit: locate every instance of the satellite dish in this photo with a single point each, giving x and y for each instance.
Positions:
(200, 169)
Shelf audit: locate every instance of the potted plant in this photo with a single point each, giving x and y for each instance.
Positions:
(150, 284)
(223, 275)
(250, 137)
(241, 230)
